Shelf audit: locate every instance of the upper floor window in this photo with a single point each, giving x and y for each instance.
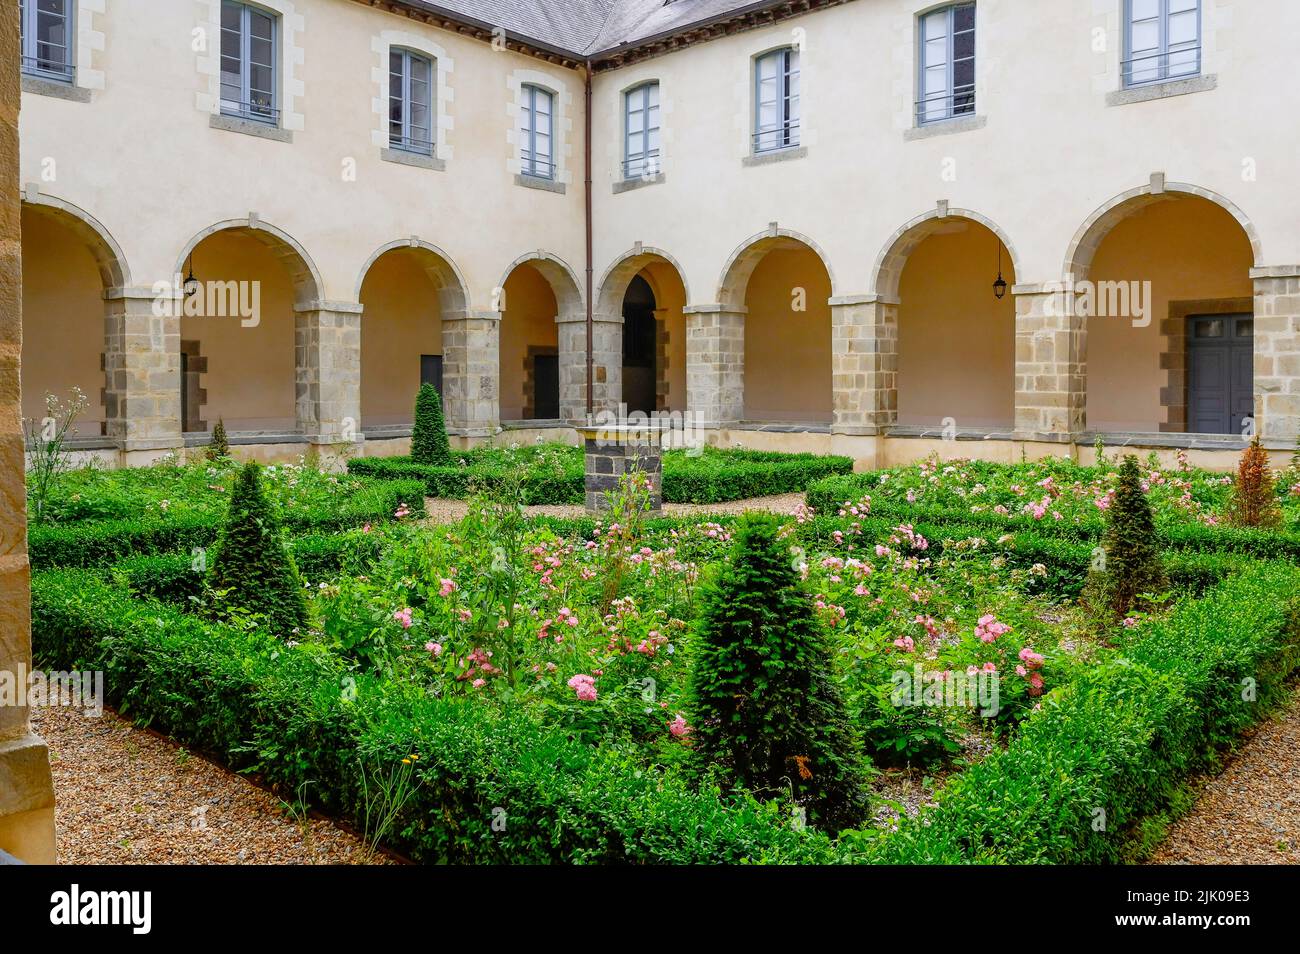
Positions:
(1162, 40)
(776, 100)
(46, 27)
(248, 58)
(536, 127)
(947, 61)
(410, 101)
(641, 131)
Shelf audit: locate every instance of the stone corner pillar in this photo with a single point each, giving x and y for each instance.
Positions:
(715, 365)
(1051, 365)
(26, 787)
(327, 378)
(142, 372)
(471, 372)
(1277, 353)
(864, 365)
(607, 363)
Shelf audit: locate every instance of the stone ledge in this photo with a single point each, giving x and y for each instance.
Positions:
(778, 427)
(44, 87)
(639, 182)
(537, 182)
(1145, 94)
(788, 154)
(961, 433)
(420, 161)
(944, 127)
(249, 127)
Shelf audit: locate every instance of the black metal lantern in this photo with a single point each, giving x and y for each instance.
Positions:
(191, 284)
(1000, 286)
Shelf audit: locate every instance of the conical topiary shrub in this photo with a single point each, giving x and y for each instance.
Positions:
(250, 561)
(429, 443)
(1129, 563)
(218, 446)
(763, 703)
(1254, 502)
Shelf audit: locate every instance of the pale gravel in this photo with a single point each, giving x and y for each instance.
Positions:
(440, 510)
(124, 795)
(1249, 814)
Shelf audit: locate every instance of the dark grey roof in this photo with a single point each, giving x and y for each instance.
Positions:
(586, 27)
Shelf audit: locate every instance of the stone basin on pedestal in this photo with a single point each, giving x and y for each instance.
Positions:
(617, 449)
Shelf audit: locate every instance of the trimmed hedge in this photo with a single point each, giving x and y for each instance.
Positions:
(827, 496)
(1088, 774)
(714, 476)
(101, 542)
(288, 713)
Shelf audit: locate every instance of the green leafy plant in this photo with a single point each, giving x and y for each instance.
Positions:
(250, 563)
(429, 444)
(47, 454)
(1128, 565)
(763, 701)
(218, 446)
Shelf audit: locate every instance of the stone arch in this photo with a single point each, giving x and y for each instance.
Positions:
(745, 257)
(108, 254)
(887, 272)
(453, 292)
(619, 274)
(558, 274)
(307, 284)
(1086, 241)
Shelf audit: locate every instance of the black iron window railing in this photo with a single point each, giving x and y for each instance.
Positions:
(417, 144)
(641, 167)
(48, 67)
(784, 136)
(539, 167)
(257, 112)
(958, 101)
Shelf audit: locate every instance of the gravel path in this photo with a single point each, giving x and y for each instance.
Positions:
(1250, 813)
(127, 796)
(449, 511)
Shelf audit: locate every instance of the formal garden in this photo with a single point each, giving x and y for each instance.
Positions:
(1047, 651)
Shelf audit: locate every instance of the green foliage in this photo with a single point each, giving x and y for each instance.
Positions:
(429, 443)
(250, 563)
(764, 704)
(1131, 568)
(218, 445)
(489, 787)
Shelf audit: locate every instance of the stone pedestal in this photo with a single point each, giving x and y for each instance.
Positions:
(612, 452)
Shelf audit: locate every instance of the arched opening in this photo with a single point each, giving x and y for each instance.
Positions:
(238, 330)
(67, 266)
(406, 292)
(645, 288)
(956, 338)
(785, 289)
(529, 347)
(1163, 282)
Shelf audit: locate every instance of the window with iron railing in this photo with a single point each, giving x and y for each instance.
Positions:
(536, 131)
(410, 102)
(46, 30)
(248, 62)
(1162, 41)
(641, 131)
(946, 84)
(776, 101)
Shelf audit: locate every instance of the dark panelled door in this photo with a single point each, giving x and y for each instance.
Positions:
(431, 371)
(1221, 378)
(546, 387)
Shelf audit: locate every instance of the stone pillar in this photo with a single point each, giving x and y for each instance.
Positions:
(26, 788)
(607, 370)
(1277, 353)
(142, 373)
(864, 364)
(1051, 365)
(327, 380)
(715, 365)
(471, 372)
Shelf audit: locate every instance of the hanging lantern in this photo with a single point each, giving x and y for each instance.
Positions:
(1000, 285)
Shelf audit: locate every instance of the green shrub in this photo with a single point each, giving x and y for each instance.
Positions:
(429, 443)
(301, 720)
(250, 564)
(218, 447)
(763, 701)
(1131, 567)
